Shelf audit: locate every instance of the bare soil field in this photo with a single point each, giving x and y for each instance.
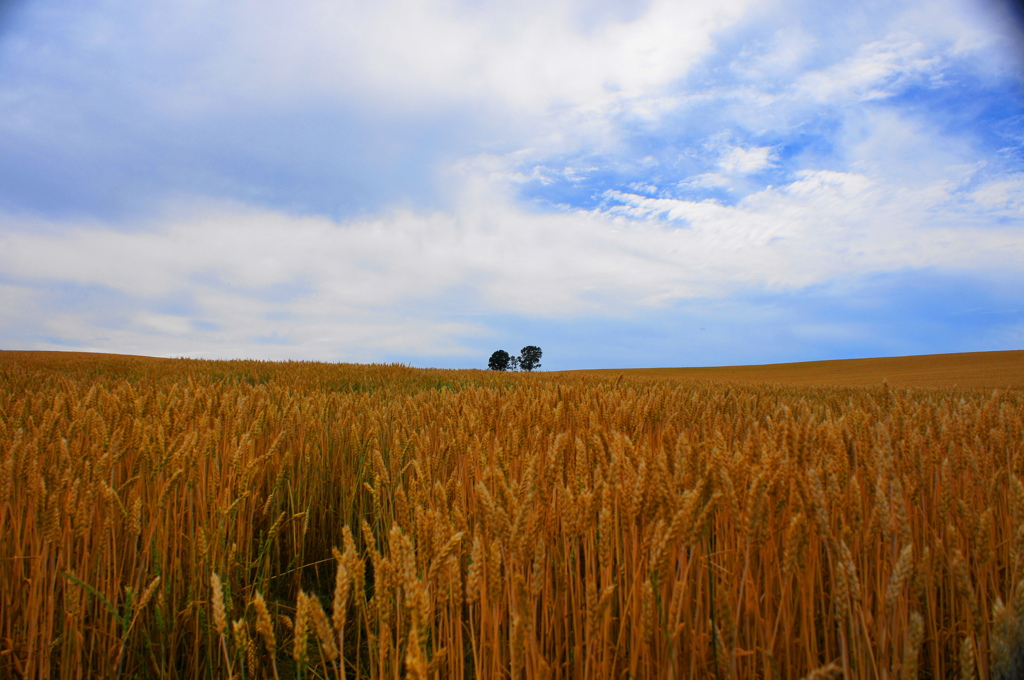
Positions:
(974, 370)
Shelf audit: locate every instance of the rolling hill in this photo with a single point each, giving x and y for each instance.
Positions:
(982, 370)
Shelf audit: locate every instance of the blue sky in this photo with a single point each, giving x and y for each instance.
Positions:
(623, 183)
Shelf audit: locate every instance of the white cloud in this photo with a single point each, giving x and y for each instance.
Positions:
(18, 304)
(707, 180)
(745, 161)
(163, 323)
(1005, 193)
(527, 55)
(968, 28)
(272, 284)
(786, 52)
(878, 70)
(828, 225)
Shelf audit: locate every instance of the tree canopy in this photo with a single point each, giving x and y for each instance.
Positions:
(529, 358)
(499, 361)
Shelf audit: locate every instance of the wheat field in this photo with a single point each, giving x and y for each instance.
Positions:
(201, 519)
(979, 370)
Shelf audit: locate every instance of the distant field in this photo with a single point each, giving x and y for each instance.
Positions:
(973, 370)
(982, 370)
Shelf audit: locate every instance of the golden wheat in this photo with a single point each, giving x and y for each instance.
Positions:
(471, 524)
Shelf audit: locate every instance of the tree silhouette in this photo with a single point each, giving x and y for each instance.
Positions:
(499, 361)
(529, 358)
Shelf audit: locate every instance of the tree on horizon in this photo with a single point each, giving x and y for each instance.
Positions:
(528, 360)
(529, 357)
(499, 361)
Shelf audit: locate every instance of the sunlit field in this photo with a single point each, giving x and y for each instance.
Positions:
(983, 370)
(203, 519)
